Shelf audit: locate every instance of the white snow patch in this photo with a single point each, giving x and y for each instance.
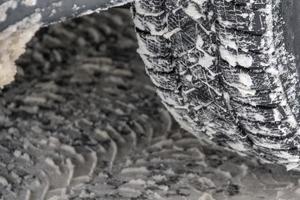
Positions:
(207, 61)
(236, 59)
(206, 196)
(192, 11)
(12, 44)
(237, 146)
(199, 42)
(4, 8)
(242, 89)
(3, 181)
(246, 80)
(75, 7)
(29, 2)
(277, 115)
(200, 3)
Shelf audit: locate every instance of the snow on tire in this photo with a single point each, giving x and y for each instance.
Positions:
(222, 69)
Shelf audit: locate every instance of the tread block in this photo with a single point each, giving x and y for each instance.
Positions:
(156, 24)
(153, 45)
(158, 64)
(167, 81)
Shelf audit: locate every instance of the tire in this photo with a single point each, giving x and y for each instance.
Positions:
(223, 70)
(83, 92)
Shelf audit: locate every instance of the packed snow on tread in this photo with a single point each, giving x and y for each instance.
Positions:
(13, 42)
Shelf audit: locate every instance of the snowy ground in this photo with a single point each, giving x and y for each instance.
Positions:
(82, 121)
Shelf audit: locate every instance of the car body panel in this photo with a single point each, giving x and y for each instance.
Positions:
(13, 11)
